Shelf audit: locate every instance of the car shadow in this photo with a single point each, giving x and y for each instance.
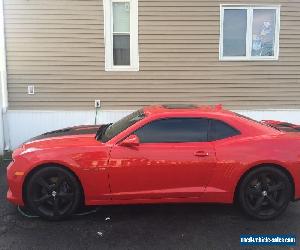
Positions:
(170, 210)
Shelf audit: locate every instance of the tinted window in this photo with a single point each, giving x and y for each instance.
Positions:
(174, 130)
(122, 124)
(220, 130)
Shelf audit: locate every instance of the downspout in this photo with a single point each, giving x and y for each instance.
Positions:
(4, 93)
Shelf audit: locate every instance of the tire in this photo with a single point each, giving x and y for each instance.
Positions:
(265, 193)
(53, 193)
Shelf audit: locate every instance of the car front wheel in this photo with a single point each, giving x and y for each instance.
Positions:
(265, 193)
(53, 193)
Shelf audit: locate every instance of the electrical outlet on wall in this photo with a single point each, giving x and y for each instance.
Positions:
(30, 90)
(97, 103)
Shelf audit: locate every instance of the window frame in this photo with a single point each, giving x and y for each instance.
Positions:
(209, 137)
(179, 117)
(249, 33)
(108, 36)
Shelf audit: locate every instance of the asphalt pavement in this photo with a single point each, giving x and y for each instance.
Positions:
(176, 226)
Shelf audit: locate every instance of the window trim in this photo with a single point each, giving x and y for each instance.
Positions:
(248, 56)
(108, 36)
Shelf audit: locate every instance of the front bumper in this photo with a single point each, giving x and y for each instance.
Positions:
(14, 199)
(15, 184)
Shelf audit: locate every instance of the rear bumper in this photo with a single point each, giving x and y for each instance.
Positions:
(296, 179)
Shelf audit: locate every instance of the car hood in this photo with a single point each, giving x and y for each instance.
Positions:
(69, 138)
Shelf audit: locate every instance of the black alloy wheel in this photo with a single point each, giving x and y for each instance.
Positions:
(53, 193)
(265, 193)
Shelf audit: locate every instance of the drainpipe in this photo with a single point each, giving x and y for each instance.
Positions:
(4, 145)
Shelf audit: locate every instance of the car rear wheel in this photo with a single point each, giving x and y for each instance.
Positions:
(265, 193)
(53, 193)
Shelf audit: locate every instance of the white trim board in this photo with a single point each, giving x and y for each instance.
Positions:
(25, 124)
(4, 99)
(3, 79)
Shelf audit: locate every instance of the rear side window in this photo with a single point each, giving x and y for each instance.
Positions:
(221, 130)
(174, 130)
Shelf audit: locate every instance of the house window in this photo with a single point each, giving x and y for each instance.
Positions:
(249, 32)
(121, 35)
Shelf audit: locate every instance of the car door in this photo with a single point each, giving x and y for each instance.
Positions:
(173, 160)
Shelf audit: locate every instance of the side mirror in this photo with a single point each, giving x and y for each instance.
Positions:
(130, 141)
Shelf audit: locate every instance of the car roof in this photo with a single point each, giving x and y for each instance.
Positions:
(185, 108)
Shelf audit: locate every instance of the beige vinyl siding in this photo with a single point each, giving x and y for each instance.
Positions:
(58, 46)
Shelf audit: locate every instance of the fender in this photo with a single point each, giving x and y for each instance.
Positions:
(92, 172)
(232, 175)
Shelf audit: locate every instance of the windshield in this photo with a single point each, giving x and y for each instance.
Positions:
(119, 126)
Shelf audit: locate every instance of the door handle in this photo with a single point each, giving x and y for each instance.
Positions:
(201, 153)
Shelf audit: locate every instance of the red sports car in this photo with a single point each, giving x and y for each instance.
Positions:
(160, 154)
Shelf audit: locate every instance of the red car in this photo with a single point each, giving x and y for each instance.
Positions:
(159, 154)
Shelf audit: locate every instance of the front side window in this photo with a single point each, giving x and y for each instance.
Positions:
(121, 30)
(249, 33)
(174, 130)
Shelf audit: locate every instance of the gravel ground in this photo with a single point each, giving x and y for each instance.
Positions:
(182, 226)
